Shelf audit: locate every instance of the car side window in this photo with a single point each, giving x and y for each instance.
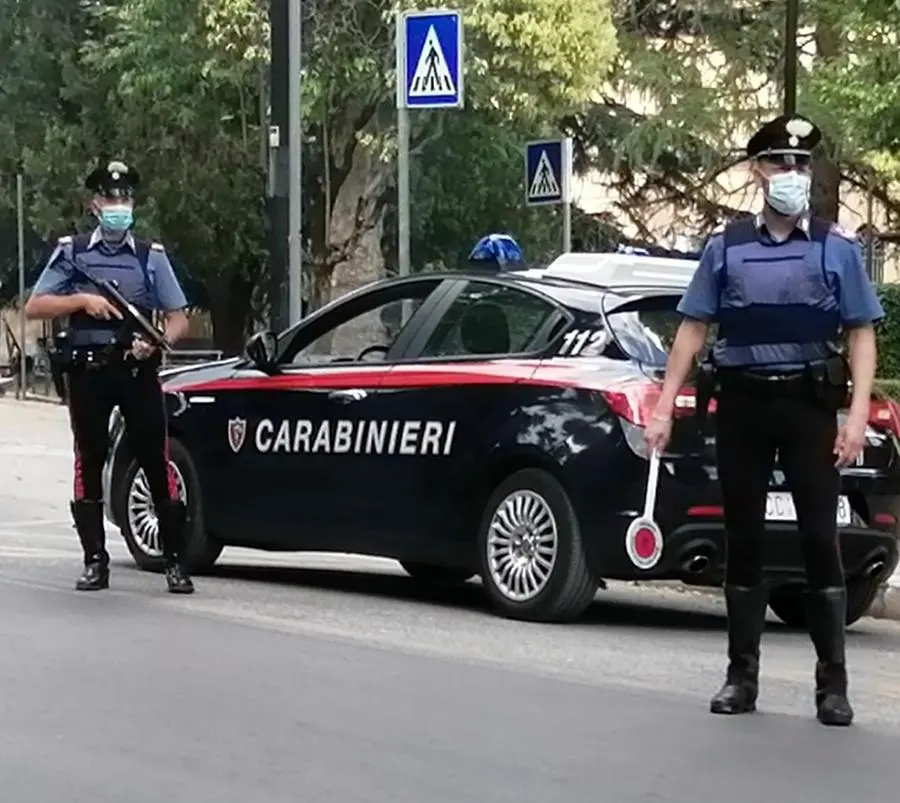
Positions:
(487, 318)
(365, 336)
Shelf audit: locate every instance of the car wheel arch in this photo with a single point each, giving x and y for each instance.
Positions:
(202, 549)
(502, 463)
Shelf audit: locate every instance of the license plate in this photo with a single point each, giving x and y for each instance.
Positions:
(780, 507)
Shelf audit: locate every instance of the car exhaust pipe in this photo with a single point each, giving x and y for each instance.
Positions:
(875, 568)
(696, 564)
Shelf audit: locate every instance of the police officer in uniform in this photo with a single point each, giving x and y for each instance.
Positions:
(782, 287)
(496, 252)
(108, 365)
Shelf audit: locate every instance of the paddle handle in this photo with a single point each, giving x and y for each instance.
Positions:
(652, 483)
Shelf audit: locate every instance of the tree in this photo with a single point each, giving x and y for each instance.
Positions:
(188, 74)
(690, 83)
(528, 61)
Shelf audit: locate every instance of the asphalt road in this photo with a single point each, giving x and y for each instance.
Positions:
(334, 678)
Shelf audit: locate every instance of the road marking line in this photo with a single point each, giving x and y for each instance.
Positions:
(37, 552)
(34, 523)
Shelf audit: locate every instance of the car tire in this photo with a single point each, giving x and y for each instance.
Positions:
(786, 602)
(138, 520)
(557, 588)
(442, 575)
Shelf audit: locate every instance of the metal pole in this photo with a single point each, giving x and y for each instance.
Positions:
(567, 175)
(20, 222)
(403, 221)
(791, 23)
(295, 195)
(279, 171)
(402, 149)
(870, 245)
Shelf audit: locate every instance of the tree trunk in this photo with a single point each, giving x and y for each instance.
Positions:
(230, 310)
(354, 255)
(825, 201)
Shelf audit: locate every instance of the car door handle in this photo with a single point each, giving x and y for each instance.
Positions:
(347, 396)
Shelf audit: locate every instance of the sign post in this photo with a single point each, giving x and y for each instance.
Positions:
(20, 236)
(295, 147)
(429, 76)
(548, 179)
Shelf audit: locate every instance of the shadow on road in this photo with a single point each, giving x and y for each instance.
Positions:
(606, 610)
(654, 612)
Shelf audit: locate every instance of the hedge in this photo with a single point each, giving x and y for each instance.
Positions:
(889, 388)
(888, 331)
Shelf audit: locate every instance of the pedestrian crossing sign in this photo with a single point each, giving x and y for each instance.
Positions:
(548, 168)
(430, 59)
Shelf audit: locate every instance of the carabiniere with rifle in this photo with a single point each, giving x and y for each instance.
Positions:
(64, 356)
(108, 284)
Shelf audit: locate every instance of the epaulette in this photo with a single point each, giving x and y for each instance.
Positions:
(840, 231)
(157, 247)
(65, 240)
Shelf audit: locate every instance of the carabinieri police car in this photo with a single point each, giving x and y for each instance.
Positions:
(484, 424)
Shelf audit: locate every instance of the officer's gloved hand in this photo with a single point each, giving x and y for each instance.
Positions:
(141, 349)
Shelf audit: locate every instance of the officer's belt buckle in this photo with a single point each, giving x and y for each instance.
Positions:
(791, 377)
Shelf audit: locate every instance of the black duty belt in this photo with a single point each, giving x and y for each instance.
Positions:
(781, 376)
(90, 357)
(786, 383)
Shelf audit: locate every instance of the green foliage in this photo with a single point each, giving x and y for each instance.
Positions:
(692, 80)
(178, 88)
(888, 331)
(468, 183)
(656, 93)
(889, 388)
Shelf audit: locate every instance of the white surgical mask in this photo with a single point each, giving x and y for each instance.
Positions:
(788, 193)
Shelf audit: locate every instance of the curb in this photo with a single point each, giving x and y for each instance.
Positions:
(886, 604)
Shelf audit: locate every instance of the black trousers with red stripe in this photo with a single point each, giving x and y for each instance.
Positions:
(134, 387)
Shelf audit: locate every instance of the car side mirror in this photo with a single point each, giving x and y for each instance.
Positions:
(261, 349)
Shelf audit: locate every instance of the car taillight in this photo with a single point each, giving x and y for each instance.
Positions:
(636, 401)
(885, 414)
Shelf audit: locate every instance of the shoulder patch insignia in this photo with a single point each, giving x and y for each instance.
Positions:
(157, 247)
(840, 231)
(65, 240)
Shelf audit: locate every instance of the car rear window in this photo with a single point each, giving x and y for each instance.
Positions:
(644, 329)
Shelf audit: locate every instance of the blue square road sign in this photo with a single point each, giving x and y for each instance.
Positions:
(430, 59)
(548, 171)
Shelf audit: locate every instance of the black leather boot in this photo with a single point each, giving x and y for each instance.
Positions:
(172, 522)
(746, 620)
(88, 517)
(826, 616)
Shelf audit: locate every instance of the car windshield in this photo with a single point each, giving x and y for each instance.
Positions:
(645, 329)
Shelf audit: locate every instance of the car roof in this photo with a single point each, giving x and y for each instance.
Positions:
(625, 271)
(576, 279)
(581, 280)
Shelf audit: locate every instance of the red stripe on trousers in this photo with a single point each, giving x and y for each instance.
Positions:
(79, 476)
(170, 476)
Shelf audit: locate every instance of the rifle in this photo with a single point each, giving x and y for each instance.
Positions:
(130, 313)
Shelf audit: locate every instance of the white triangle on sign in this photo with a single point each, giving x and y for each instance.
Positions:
(432, 78)
(544, 183)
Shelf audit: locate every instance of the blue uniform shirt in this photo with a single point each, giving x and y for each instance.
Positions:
(848, 289)
(164, 292)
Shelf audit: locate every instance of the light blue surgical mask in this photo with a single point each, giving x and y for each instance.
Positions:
(788, 193)
(116, 218)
